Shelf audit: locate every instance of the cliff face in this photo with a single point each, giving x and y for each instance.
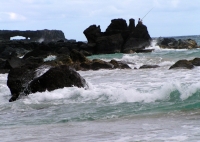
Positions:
(34, 36)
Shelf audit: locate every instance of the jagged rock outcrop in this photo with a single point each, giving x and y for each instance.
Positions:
(172, 43)
(25, 80)
(34, 36)
(140, 32)
(118, 26)
(138, 39)
(131, 26)
(129, 38)
(92, 33)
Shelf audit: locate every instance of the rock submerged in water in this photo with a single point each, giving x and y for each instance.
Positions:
(185, 64)
(23, 81)
(182, 64)
(195, 61)
(149, 66)
(97, 64)
(55, 78)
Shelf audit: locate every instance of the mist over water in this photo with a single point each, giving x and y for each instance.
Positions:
(120, 105)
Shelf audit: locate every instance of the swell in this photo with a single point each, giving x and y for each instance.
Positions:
(77, 107)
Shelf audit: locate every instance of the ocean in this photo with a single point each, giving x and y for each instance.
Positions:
(121, 105)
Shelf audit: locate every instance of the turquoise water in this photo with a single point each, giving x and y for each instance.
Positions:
(120, 105)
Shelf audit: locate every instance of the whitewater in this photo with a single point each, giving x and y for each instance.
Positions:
(120, 105)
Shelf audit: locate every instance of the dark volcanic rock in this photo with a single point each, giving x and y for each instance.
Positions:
(118, 26)
(34, 60)
(149, 66)
(18, 79)
(176, 44)
(3, 71)
(196, 61)
(4, 64)
(77, 56)
(97, 64)
(118, 37)
(12, 62)
(135, 44)
(63, 50)
(165, 42)
(15, 62)
(55, 78)
(131, 26)
(141, 32)
(37, 53)
(92, 33)
(7, 52)
(183, 64)
(85, 53)
(144, 50)
(100, 64)
(25, 80)
(109, 44)
(138, 39)
(119, 64)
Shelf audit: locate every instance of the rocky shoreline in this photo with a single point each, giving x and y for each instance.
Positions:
(52, 64)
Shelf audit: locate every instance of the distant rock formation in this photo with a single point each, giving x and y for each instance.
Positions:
(118, 37)
(172, 43)
(34, 36)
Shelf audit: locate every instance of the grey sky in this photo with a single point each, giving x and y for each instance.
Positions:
(168, 17)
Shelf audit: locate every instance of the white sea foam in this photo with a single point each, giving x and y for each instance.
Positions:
(41, 70)
(166, 63)
(50, 58)
(40, 40)
(109, 86)
(154, 45)
(177, 138)
(124, 105)
(4, 90)
(157, 48)
(112, 94)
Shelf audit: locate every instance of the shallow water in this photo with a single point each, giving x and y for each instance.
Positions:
(120, 105)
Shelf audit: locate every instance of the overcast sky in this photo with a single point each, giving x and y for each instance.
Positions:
(168, 17)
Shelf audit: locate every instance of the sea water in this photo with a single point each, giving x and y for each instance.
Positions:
(121, 105)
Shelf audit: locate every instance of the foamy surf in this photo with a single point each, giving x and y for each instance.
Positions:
(119, 105)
